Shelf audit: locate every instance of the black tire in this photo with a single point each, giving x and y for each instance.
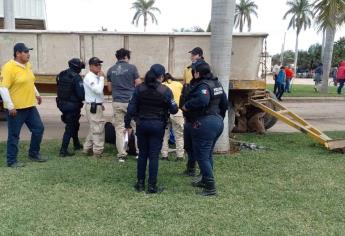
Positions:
(269, 120)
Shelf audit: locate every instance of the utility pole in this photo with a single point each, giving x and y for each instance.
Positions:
(9, 18)
(282, 52)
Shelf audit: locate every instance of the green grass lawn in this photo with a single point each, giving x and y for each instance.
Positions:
(294, 187)
(300, 90)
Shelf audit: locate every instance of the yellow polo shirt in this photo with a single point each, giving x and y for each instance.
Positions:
(20, 81)
(176, 88)
(187, 74)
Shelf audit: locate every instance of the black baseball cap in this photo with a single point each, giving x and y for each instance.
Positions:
(95, 61)
(21, 47)
(197, 51)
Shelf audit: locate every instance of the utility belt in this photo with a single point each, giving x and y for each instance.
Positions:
(93, 106)
(96, 103)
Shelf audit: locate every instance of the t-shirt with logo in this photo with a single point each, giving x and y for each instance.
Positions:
(122, 77)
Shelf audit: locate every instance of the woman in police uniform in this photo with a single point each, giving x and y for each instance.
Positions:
(150, 106)
(205, 107)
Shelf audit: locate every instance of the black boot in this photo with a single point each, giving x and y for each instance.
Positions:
(65, 153)
(77, 145)
(140, 185)
(153, 188)
(209, 189)
(190, 170)
(198, 182)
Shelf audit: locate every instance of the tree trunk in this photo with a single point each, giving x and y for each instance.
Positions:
(145, 22)
(296, 53)
(327, 58)
(222, 21)
(241, 23)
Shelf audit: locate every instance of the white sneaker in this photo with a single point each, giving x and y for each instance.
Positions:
(121, 159)
(136, 157)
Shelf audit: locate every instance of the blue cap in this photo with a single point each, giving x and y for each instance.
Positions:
(21, 47)
(158, 70)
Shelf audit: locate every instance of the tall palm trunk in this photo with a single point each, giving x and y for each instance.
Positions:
(145, 21)
(296, 52)
(327, 58)
(222, 21)
(241, 22)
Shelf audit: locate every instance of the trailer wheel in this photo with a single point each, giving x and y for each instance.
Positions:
(269, 120)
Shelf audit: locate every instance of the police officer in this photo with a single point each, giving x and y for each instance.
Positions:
(205, 107)
(150, 105)
(196, 55)
(70, 97)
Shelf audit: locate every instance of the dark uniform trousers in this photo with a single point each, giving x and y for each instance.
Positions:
(188, 145)
(205, 133)
(70, 116)
(150, 135)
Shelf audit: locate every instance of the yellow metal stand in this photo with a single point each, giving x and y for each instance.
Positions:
(261, 98)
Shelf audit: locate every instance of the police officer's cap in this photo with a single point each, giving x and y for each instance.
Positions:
(197, 51)
(76, 63)
(158, 70)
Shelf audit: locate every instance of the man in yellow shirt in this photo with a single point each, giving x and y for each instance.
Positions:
(19, 94)
(195, 55)
(176, 121)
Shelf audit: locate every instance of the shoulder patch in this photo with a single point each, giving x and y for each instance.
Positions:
(204, 91)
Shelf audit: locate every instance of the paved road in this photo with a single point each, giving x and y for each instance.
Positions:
(326, 115)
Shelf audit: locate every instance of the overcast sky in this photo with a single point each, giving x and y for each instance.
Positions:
(91, 15)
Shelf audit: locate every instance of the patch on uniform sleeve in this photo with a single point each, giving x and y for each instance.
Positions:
(204, 91)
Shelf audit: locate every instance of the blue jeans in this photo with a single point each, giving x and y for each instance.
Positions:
(287, 85)
(341, 85)
(205, 132)
(188, 145)
(150, 138)
(32, 119)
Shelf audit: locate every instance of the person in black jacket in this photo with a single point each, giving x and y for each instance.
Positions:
(150, 106)
(204, 107)
(70, 97)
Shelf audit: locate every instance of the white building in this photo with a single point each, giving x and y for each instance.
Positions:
(29, 14)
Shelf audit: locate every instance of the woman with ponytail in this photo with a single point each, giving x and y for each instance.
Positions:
(150, 106)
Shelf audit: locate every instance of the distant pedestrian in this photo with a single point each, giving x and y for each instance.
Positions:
(281, 83)
(20, 96)
(122, 80)
(341, 76)
(94, 98)
(289, 76)
(318, 77)
(275, 72)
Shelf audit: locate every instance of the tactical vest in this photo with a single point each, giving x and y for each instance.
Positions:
(152, 102)
(216, 93)
(65, 86)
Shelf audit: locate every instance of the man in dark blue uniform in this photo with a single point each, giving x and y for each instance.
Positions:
(70, 97)
(150, 106)
(205, 106)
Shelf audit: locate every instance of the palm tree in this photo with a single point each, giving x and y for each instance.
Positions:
(222, 20)
(329, 16)
(242, 14)
(300, 19)
(144, 8)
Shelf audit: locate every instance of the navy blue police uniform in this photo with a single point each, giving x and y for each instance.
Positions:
(70, 97)
(150, 107)
(205, 107)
